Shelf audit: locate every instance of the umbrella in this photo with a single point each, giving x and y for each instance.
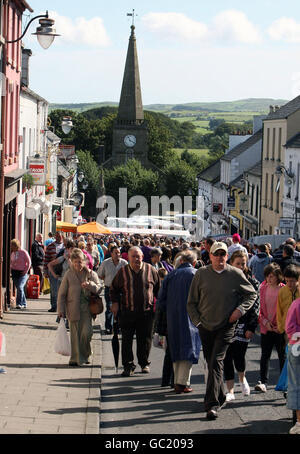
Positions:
(93, 227)
(115, 344)
(66, 226)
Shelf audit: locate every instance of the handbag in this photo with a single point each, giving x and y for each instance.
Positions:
(95, 304)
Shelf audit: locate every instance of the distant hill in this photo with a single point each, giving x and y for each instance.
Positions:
(260, 105)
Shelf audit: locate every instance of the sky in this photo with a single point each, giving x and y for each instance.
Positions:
(188, 51)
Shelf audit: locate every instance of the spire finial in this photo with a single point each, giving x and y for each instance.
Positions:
(133, 16)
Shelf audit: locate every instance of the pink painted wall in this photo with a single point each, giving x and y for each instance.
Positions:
(13, 29)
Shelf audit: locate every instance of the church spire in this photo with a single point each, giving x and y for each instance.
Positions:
(131, 106)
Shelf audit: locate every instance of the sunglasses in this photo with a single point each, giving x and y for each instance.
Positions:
(219, 254)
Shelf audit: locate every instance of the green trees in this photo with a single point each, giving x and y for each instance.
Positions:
(92, 175)
(134, 177)
(171, 174)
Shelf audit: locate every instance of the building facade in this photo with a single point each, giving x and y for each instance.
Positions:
(280, 126)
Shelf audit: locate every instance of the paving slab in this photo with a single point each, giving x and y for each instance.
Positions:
(40, 393)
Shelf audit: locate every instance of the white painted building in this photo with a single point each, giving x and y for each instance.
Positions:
(290, 179)
(34, 206)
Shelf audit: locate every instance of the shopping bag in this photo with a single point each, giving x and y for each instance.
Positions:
(2, 344)
(46, 286)
(62, 344)
(282, 384)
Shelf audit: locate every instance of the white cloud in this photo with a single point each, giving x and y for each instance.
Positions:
(176, 25)
(233, 25)
(230, 25)
(81, 31)
(285, 29)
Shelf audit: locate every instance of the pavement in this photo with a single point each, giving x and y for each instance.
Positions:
(40, 393)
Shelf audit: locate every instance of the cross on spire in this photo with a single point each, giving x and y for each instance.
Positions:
(132, 15)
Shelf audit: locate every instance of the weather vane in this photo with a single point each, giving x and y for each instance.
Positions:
(132, 15)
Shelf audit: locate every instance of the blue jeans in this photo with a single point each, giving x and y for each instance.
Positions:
(19, 283)
(293, 395)
(109, 317)
(53, 291)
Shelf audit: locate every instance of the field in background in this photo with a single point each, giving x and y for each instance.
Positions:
(199, 152)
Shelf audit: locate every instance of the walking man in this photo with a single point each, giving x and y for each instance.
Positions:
(132, 294)
(51, 253)
(183, 336)
(37, 257)
(219, 295)
(107, 271)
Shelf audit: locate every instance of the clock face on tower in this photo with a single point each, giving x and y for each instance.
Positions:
(130, 140)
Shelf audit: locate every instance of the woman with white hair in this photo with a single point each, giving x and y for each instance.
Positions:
(73, 301)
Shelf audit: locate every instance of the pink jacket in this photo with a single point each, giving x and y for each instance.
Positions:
(263, 317)
(292, 322)
(20, 260)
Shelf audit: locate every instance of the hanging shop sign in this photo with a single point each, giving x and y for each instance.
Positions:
(37, 168)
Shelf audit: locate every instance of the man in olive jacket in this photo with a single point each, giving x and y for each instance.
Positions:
(219, 295)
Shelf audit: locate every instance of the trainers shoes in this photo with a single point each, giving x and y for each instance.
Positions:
(245, 388)
(212, 413)
(295, 429)
(230, 397)
(146, 370)
(261, 387)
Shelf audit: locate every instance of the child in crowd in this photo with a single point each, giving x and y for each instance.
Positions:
(244, 331)
(270, 336)
(286, 295)
(292, 328)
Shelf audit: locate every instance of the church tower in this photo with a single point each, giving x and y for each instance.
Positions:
(130, 128)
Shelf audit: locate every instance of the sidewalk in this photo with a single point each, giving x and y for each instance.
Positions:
(40, 393)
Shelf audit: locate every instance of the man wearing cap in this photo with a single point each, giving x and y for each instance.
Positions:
(236, 246)
(219, 295)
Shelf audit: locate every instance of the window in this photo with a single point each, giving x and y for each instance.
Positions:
(277, 201)
(279, 144)
(268, 143)
(266, 189)
(257, 202)
(273, 144)
(272, 192)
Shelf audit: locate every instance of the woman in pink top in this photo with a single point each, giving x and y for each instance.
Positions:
(20, 264)
(292, 328)
(269, 334)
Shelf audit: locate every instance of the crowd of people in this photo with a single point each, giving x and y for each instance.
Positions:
(210, 295)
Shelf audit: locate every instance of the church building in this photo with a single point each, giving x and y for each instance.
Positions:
(130, 134)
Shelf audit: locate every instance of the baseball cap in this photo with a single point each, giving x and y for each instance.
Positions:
(217, 246)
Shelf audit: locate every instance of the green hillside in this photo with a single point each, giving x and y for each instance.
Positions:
(257, 105)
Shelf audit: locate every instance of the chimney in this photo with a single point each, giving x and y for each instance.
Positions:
(271, 109)
(276, 108)
(26, 54)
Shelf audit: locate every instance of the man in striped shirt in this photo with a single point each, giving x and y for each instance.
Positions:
(132, 294)
(51, 253)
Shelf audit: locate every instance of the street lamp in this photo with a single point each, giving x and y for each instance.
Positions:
(45, 33)
(66, 124)
(281, 170)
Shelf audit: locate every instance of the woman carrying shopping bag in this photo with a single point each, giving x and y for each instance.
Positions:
(73, 302)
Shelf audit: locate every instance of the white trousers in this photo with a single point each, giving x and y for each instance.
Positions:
(182, 372)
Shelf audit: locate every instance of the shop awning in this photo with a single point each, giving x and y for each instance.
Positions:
(66, 227)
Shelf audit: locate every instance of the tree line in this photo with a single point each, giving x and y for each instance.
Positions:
(92, 133)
